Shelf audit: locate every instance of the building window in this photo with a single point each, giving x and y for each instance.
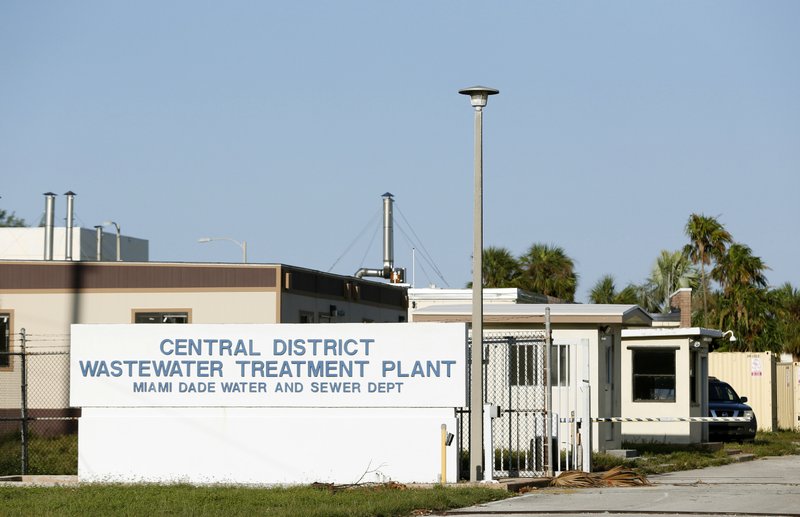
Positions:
(160, 317)
(527, 362)
(523, 365)
(306, 317)
(5, 340)
(653, 375)
(559, 365)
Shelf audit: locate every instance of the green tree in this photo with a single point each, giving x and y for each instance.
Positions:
(786, 300)
(737, 267)
(744, 304)
(547, 270)
(708, 239)
(603, 291)
(672, 270)
(10, 220)
(500, 268)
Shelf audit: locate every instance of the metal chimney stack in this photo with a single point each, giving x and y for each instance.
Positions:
(388, 271)
(388, 236)
(70, 216)
(99, 230)
(49, 216)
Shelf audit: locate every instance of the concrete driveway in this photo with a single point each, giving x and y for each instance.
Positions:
(763, 487)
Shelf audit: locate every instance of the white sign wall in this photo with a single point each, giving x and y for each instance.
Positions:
(304, 402)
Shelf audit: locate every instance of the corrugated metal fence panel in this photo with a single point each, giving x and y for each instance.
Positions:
(796, 381)
(784, 384)
(752, 375)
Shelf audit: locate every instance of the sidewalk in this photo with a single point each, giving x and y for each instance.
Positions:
(763, 487)
(38, 480)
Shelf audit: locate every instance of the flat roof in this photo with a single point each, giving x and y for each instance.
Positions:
(505, 294)
(672, 332)
(534, 313)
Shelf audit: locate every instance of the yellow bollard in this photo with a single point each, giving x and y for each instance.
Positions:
(444, 454)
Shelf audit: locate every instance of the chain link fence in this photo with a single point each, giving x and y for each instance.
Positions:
(38, 429)
(517, 380)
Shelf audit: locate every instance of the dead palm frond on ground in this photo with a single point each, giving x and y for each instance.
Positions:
(618, 476)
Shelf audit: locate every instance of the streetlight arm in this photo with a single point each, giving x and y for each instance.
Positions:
(119, 238)
(242, 244)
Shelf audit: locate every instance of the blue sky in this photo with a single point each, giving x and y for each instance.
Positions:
(282, 123)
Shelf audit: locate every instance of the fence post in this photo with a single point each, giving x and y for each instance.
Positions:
(24, 403)
(548, 390)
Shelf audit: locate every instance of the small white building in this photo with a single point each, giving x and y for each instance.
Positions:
(585, 360)
(667, 380)
(29, 244)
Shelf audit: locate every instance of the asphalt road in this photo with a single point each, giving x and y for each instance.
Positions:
(763, 487)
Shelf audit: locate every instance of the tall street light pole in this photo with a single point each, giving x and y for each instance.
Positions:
(242, 244)
(478, 96)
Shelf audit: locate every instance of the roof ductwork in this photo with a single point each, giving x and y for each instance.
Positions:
(389, 272)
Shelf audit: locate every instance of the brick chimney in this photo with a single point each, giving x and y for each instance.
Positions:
(682, 301)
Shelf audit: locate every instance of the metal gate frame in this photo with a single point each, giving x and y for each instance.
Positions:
(516, 384)
(526, 432)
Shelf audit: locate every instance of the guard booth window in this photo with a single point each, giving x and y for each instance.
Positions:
(161, 317)
(653, 375)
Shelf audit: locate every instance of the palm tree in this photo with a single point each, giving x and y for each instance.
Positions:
(671, 271)
(708, 239)
(500, 268)
(603, 291)
(786, 299)
(547, 270)
(629, 296)
(744, 302)
(739, 267)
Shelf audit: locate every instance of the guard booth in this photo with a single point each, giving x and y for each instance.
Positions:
(665, 384)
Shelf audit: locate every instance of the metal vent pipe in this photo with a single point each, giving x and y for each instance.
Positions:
(388, 244)
(70, 216)
(388, 235)
(99, 230)
(49, 216)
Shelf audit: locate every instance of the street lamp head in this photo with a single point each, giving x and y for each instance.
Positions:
(204, 239)
(478, 95)
(732, 338)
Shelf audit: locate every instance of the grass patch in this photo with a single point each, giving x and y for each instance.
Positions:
(656, 458)
(58, 455)
(779, 443)
(134, 500)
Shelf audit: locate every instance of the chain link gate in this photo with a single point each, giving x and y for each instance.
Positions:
(38, 429)
(526, 390)
(516, 381)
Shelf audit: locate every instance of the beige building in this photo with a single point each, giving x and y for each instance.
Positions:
(585, 361)
(45, 297)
